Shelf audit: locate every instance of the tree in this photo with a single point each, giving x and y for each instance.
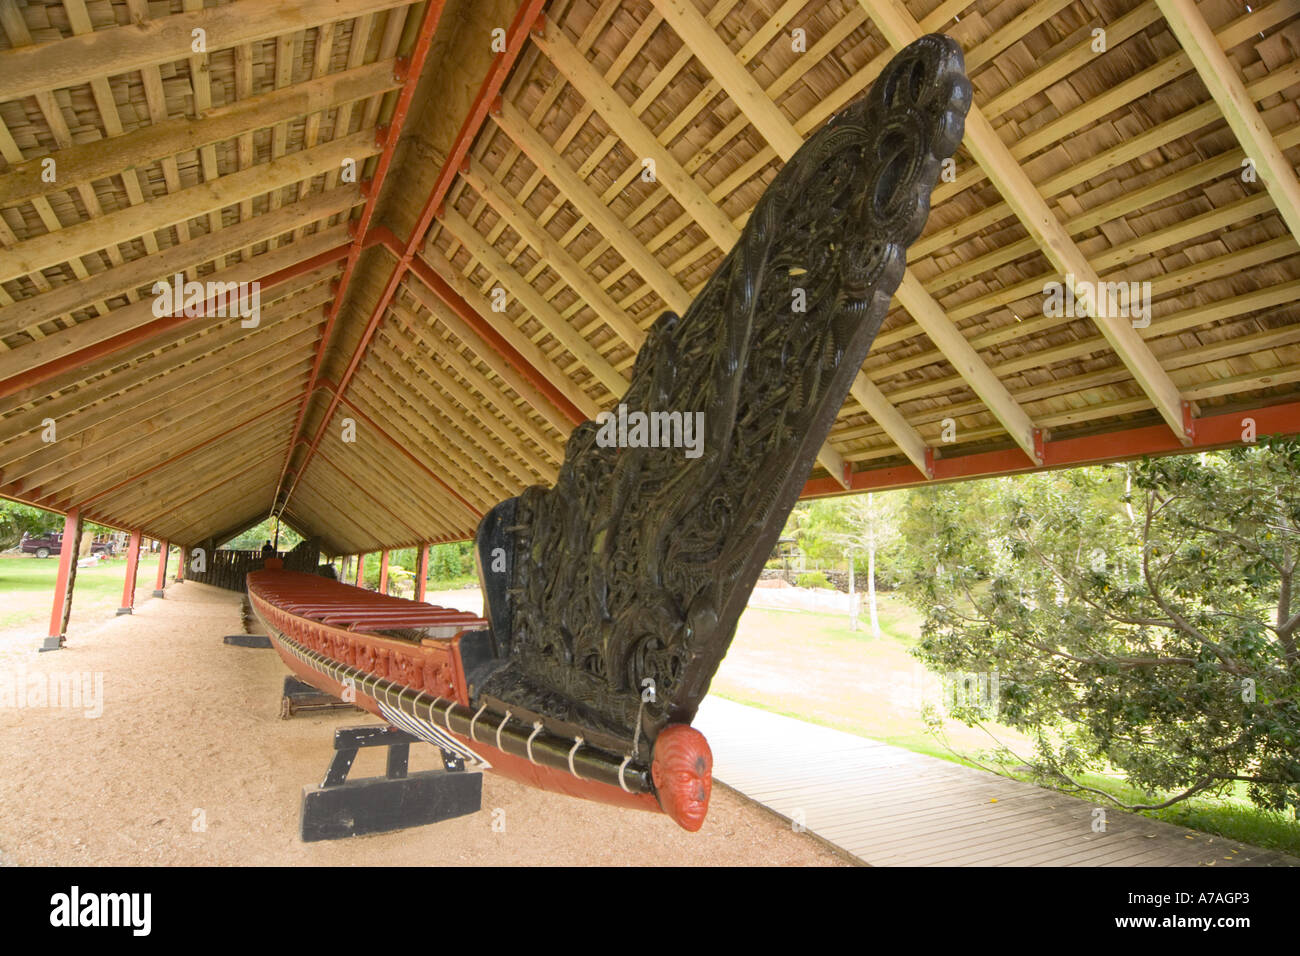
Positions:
(400, 579)
(448, 562)
(18, 519)
(1151, 630)
(872, 527)
(815, 525)
(252, 539)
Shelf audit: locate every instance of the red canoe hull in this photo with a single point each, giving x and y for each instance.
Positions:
(292, 611)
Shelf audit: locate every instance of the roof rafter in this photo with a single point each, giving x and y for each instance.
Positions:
(533, 302)
(93, 235)
(48, 357)
(455, 451)
(501, 324)
(900, 29)
(781, 134)
(80, 433)
(402, 348)
(497, 360)
(498, 441)
(418, 327)
(102, 158)
(1237, 105)
(74, 296)
(26, 71)
(629, 127)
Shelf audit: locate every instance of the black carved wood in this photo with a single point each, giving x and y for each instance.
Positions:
(638, 562)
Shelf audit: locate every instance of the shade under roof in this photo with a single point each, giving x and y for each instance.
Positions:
(432, 327)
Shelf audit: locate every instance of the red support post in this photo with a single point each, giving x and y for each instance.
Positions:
(383, 572)
(422, 573)
(132, 565)
(361, 571)
(160, 585)
(64, 583)
(180, 564)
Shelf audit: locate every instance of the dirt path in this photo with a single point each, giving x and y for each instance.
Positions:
(190, 764)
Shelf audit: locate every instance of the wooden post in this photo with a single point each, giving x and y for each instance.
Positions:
(132, 565)
(64, 582)
(160, 585)
(383, 572)
(422, 572)
(361, 570)
(180, 564)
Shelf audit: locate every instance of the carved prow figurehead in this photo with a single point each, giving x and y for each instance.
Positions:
(682, 771)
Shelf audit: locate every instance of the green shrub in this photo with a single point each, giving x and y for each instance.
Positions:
(813, 579)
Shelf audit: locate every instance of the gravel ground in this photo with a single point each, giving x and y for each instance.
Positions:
(189, 763)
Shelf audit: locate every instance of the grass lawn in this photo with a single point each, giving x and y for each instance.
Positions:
(840, 678)
(27, 588)
(813, 667)
(453, 584)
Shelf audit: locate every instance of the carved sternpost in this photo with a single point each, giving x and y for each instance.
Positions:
(636, 565)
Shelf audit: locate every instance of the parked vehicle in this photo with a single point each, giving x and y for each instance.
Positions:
(47, 544)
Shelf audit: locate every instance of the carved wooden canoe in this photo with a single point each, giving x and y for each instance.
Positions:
(412, 665)
(613, 596)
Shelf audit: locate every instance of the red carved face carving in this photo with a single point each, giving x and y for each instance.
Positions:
(682, 772)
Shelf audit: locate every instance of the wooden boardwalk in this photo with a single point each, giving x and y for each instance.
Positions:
(886, 806)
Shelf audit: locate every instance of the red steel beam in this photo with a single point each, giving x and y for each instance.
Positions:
(1215, 431)
(412, 67)
(526, 18)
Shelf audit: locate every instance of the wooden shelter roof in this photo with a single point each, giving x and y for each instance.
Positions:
(532, 192)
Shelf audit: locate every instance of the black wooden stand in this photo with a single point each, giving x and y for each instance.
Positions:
(341, 808)
(300, 696)
(248, 640)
